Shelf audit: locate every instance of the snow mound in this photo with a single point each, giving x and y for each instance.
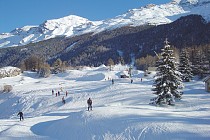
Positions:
(9, 71)
(94, 77)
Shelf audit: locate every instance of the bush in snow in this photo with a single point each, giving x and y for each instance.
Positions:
(7, 88)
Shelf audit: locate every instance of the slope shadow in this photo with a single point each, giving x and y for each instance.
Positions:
(81, 125)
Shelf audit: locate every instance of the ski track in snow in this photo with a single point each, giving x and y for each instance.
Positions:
(120, 111)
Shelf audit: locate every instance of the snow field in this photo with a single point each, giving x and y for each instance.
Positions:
(120, 111)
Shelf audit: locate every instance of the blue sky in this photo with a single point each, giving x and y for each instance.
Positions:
(18, 13)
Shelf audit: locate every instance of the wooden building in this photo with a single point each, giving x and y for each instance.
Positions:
(207, 83)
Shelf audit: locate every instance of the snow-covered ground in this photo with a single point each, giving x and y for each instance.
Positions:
(120, 111)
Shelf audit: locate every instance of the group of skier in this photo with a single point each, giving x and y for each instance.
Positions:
(89, 101)
(58, 94)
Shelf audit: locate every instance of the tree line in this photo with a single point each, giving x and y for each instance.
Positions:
(198, 59)
(39, 65)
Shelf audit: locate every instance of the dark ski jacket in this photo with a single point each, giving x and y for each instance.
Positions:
(89, 101)
(20, 113)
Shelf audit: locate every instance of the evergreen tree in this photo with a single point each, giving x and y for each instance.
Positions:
(57, 66)
(204, 65)
(196, 61)
(167, 79)
(201, 63)
(184, 66)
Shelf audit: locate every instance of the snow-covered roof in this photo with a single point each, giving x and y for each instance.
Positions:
(124, 73)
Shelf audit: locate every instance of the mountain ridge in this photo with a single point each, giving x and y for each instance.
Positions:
(125, 42)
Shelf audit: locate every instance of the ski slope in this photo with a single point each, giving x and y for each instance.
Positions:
(120, 111)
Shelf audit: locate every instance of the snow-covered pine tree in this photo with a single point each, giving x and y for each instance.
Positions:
(167, 79)
(185, 66)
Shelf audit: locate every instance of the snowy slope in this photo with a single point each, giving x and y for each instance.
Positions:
(120, 111)
(75, 25)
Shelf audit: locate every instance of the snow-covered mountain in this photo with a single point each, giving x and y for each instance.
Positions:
(74, 25)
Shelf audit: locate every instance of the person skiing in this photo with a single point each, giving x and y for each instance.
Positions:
(66, 93)
(89, 102)
(21, 115)
(52, 92)
(63, 100)
(131, 81)
(112, 81)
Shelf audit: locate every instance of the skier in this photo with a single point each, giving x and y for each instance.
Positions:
(63, 100)
(89, 102)
(52, 92)
(112, 81)
(131, 81)
(58, 93)
(66, 93)
(21, 115)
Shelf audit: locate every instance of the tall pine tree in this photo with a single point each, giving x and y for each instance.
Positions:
(167, 79)
(184, 66)
(57, 66)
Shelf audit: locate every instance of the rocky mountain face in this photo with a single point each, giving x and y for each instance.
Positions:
(128, 42)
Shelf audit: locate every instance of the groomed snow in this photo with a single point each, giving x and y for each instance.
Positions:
(120, 111)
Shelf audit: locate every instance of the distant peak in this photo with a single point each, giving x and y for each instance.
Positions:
(193, 2)
(175, 1)
(23, 29)
(71, 21)
(150, 5)
(70, 17)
